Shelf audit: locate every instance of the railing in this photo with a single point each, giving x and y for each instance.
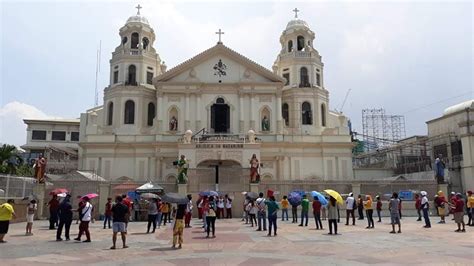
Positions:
(135, 52)
(299, 54)
(305, 85)
(235, 138)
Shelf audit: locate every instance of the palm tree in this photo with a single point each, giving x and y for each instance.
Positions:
(7, 153)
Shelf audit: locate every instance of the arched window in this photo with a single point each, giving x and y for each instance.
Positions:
(132, 75)
(135, 41)
(151, 114)
(306, 114)
(129, 115)
(285, 113)
(220, 100)
(145, 42)
(323, 115)
(300, 43)
(304, 78)
(290, 46)
(110, 114)
(265, 119)
(124, 40)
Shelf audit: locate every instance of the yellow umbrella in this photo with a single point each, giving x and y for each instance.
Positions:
(335, 195)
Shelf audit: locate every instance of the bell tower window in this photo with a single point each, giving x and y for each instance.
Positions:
(307, 118)
(129, 115)
(285, 113)
(132, 75)
(145, 43)
(151, 114)
(323, 115)
(287, 77)
(135, 41)
(110, 114)
(318, 79)
(290, 46)
(304, 78)
(300, 43)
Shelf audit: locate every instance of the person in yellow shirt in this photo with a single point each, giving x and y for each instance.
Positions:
(6, 214)
(470, 208)
(284, 208)
(369, 211)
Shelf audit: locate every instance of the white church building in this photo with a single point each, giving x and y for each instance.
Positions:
(216, 108)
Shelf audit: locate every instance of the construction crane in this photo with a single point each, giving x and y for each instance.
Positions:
(344, 102)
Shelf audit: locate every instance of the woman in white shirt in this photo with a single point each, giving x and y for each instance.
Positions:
(30, 216)
(252, 210)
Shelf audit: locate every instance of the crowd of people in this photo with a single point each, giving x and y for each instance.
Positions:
(256, 212)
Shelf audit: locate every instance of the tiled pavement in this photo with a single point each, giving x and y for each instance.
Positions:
(238, 244)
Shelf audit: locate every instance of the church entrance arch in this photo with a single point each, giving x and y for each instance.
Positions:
(220, 116)
(221, 175)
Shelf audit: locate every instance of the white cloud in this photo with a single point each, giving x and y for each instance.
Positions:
(13, 130)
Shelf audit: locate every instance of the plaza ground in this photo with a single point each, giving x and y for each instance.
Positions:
(239, 244)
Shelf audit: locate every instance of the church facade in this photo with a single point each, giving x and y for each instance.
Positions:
(217, 108)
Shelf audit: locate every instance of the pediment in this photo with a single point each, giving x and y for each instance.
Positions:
(219, 64)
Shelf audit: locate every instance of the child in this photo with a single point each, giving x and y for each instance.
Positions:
(379, 208)
(30, 216)
(284, 208)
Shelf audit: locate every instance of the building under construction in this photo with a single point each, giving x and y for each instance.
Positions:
(380, 129)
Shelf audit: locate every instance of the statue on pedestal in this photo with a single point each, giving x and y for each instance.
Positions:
(183, 166)
(251, 136)
(173, 124)
(187, 137)
(439, 169)
(254, 169)
(265, 124)
(40, 169)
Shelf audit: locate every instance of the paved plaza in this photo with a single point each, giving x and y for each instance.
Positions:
(239, 244)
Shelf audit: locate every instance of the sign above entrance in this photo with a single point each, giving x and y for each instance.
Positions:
(219, 146)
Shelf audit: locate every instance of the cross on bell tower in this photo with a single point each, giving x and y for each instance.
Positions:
(220, 32)
(296, 12)
(138, 9)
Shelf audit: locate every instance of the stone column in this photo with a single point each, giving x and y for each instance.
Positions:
(444, 188)
(187, 122)
(159, 172)
(254, 188)
(356, 189)
(279, 118)
(252, 111)
(183, 189)
(241, 113)
(160, 116)
(198, 112)
(104, 193)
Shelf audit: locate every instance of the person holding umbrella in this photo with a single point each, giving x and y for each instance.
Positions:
(85, 216)
(210, 211)
(152, 212)
(65, 218)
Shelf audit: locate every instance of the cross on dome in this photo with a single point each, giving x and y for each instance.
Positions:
(296, 12)
(220, 32)
(138, 9)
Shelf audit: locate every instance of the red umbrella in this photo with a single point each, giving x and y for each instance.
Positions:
(58, 191)
(90, 196)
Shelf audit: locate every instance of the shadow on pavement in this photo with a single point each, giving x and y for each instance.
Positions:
(162, 249)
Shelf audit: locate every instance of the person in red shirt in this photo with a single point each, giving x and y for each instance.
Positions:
(317, 213)
(418, 206)
(379, 208)
(108, 212)
(53, 205)
(458, 210)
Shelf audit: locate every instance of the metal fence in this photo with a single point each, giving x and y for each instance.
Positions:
(16, 187)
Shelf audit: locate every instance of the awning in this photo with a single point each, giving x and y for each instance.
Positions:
(149, 188)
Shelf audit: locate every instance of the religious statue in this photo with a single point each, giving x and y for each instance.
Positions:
(251, 136)
(254, 169)
(187, 137)
(183, 166)
(40, 169)
(265, 124)
(173, 124)
(439, 169)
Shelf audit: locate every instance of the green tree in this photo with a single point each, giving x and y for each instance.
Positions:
(9, 159)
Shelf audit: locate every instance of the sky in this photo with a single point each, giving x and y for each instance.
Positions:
(412, 58)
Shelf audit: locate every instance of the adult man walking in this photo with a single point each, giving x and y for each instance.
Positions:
(261, 214)
(6, 214)
(85, 216)
(120, 212)
(65, 218)
(351, 205)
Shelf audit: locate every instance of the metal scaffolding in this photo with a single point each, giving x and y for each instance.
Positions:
(381, 130)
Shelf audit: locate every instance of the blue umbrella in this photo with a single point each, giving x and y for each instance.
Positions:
(320, 197)
(294, 198)
(208, 193)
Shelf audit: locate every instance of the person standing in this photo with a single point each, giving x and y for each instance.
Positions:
(30, 216)
(199, 204)
(220, 208)
(441, 202)
(189, 212)
(65, 218)
(120, 214)
(152, 212)
(136, 210)
(458, 211)
(351, 205)
(294, 213)
(304, 210)
(418, 205)
(425, 206)
(204, 203)
(108, 212)
(228, 207)
(261, 217)
(379, 208)
(245, 216)
(178, 227)
(210, 211)
(164, 212)
(272, 215)
(85, 216)
(394, 214)
(317, 213)
(369, 211)
(284, 208)
(470, 208)
(7, 212)
(252, 211)
(128, 203)
(400, 208)
(53, 205)
(332, 215)
(360, 207)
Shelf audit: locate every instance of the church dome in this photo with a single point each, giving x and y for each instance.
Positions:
(297, 23)
(138, 19)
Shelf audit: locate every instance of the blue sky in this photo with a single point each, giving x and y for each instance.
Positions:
(411, 58)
